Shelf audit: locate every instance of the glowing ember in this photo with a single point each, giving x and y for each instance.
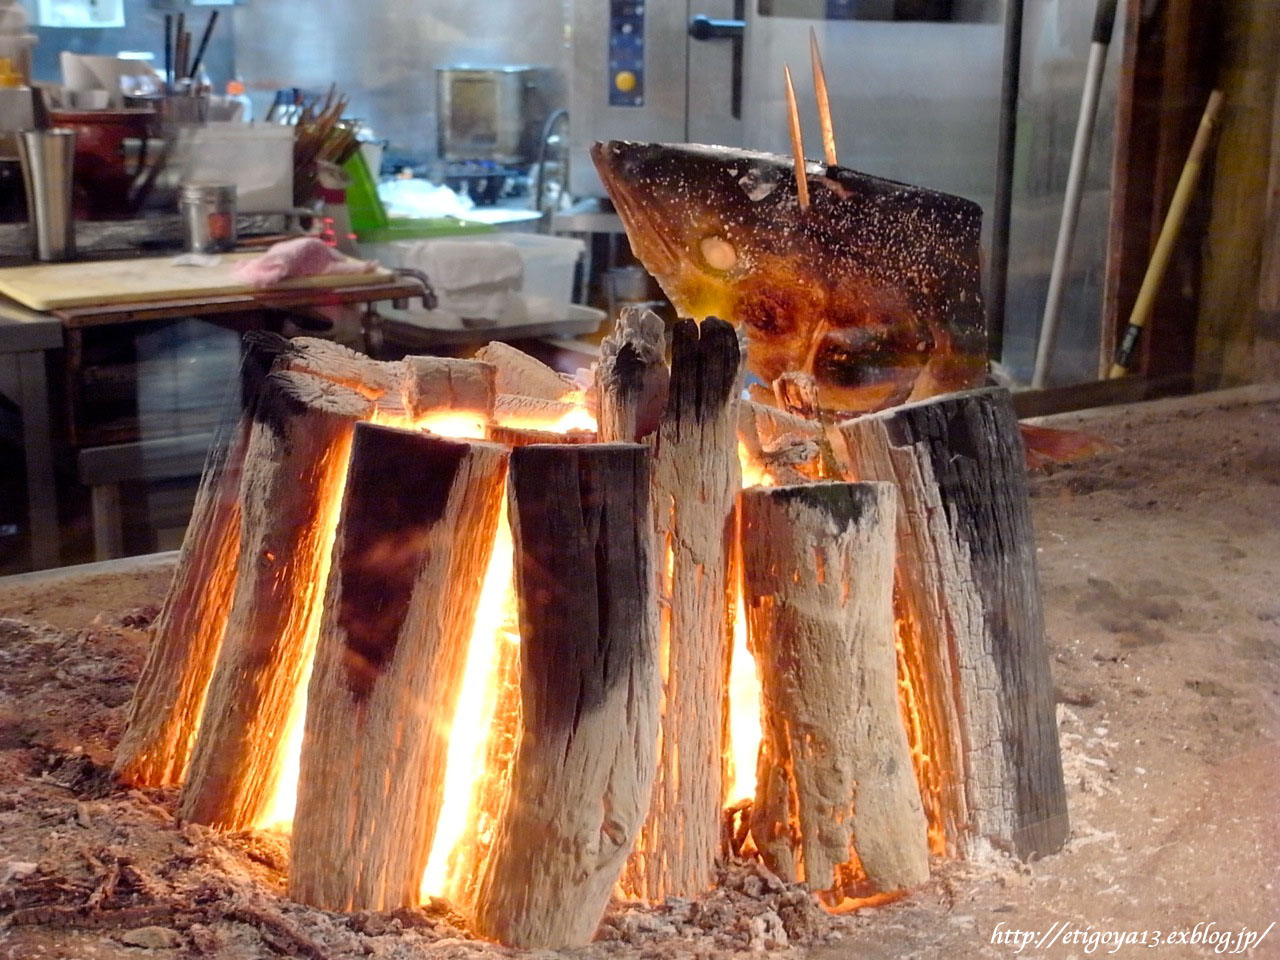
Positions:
(551, 416)
(928, 773)
(744, 710)
(473, 722)
(278, 814)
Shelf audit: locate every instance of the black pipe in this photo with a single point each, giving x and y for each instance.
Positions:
(998, 275)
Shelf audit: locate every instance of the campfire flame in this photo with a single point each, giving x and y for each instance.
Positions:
(479, 746)
(469, 736)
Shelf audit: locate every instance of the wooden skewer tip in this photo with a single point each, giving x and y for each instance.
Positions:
(797, 141)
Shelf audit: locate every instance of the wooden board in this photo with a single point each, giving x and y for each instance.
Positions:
(52, 286)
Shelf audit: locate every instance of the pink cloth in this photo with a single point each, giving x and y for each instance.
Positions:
(300, 257)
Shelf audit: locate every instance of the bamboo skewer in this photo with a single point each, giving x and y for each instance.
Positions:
(1182, 195)
(797, 141)
(824, 101)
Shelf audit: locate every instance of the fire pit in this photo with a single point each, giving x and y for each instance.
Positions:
(470, 631)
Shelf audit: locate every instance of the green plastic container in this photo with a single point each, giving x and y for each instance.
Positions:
(369, 217)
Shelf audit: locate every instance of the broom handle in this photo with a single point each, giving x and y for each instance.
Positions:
(1168, 236)
(1103, 23)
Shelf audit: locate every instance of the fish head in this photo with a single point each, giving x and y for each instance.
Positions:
(873, 288)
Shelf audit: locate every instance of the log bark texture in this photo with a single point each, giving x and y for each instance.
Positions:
(530, 413)
(372, 379)
(294, 463)
(187, 635)
(435, 385)
(835, 788)
(519, 373)
(413, 543)
(975, 647)
(695, 485)
(585, 760)
(632, 377)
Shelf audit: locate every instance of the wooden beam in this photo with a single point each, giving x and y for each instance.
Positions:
(695, 485)
(973, 641)
(837, 806)
(1167, 70)
(412, 546)
(295, 460)
(187, 635)
(585, 759)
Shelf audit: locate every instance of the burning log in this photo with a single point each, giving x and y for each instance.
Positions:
(442, 385)
(187, 635)
(372, 379)
(519, 373)
(413, 543)
(975, 649)
(585, 760)
(527, 436)
(695, 485)
(534, 413)
(836, 796)
(632, 377)
(295, 459)
(797, 393)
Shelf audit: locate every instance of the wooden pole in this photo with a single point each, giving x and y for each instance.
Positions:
(415, 537)
(836, 799)
(165, 712)
(295, 459)
(974, 639)
(695, 485)
(585, 760)
(632, 377)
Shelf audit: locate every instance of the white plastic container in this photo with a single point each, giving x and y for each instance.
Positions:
(549, 262)
(257, 158)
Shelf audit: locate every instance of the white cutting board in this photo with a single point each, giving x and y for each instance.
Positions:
(51, 286)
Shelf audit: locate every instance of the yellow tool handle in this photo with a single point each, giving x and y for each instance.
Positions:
(1168, 235)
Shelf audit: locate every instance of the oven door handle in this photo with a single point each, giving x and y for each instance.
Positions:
(702, 27)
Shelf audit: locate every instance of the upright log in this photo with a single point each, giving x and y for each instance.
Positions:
(632, 377)
(294, 463)
(415, 537)
(974, 647)
(836, 797)
(187, 635)
(585, 759)
(695, 485)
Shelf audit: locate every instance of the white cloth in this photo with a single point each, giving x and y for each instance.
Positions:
(474, 279)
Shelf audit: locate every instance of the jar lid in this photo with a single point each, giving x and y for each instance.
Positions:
(211, 192)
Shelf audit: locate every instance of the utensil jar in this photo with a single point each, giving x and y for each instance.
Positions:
(209, 214)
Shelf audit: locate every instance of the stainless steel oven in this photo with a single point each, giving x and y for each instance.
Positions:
(914, 83)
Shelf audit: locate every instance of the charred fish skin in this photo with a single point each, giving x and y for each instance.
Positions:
(875, 288)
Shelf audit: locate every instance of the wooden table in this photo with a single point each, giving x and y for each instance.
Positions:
(26, 335)
(103, 464)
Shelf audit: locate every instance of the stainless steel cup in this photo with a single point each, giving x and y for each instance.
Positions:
(48, 159)
(209, 214)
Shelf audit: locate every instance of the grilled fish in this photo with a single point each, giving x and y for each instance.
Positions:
(874, 289)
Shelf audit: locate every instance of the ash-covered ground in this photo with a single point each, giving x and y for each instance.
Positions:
(1161, 571)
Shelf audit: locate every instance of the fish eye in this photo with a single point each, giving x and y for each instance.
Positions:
(718, 253)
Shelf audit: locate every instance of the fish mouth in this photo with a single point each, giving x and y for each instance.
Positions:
(650, 242)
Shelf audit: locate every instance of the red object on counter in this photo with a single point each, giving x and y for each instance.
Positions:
(102, 174)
